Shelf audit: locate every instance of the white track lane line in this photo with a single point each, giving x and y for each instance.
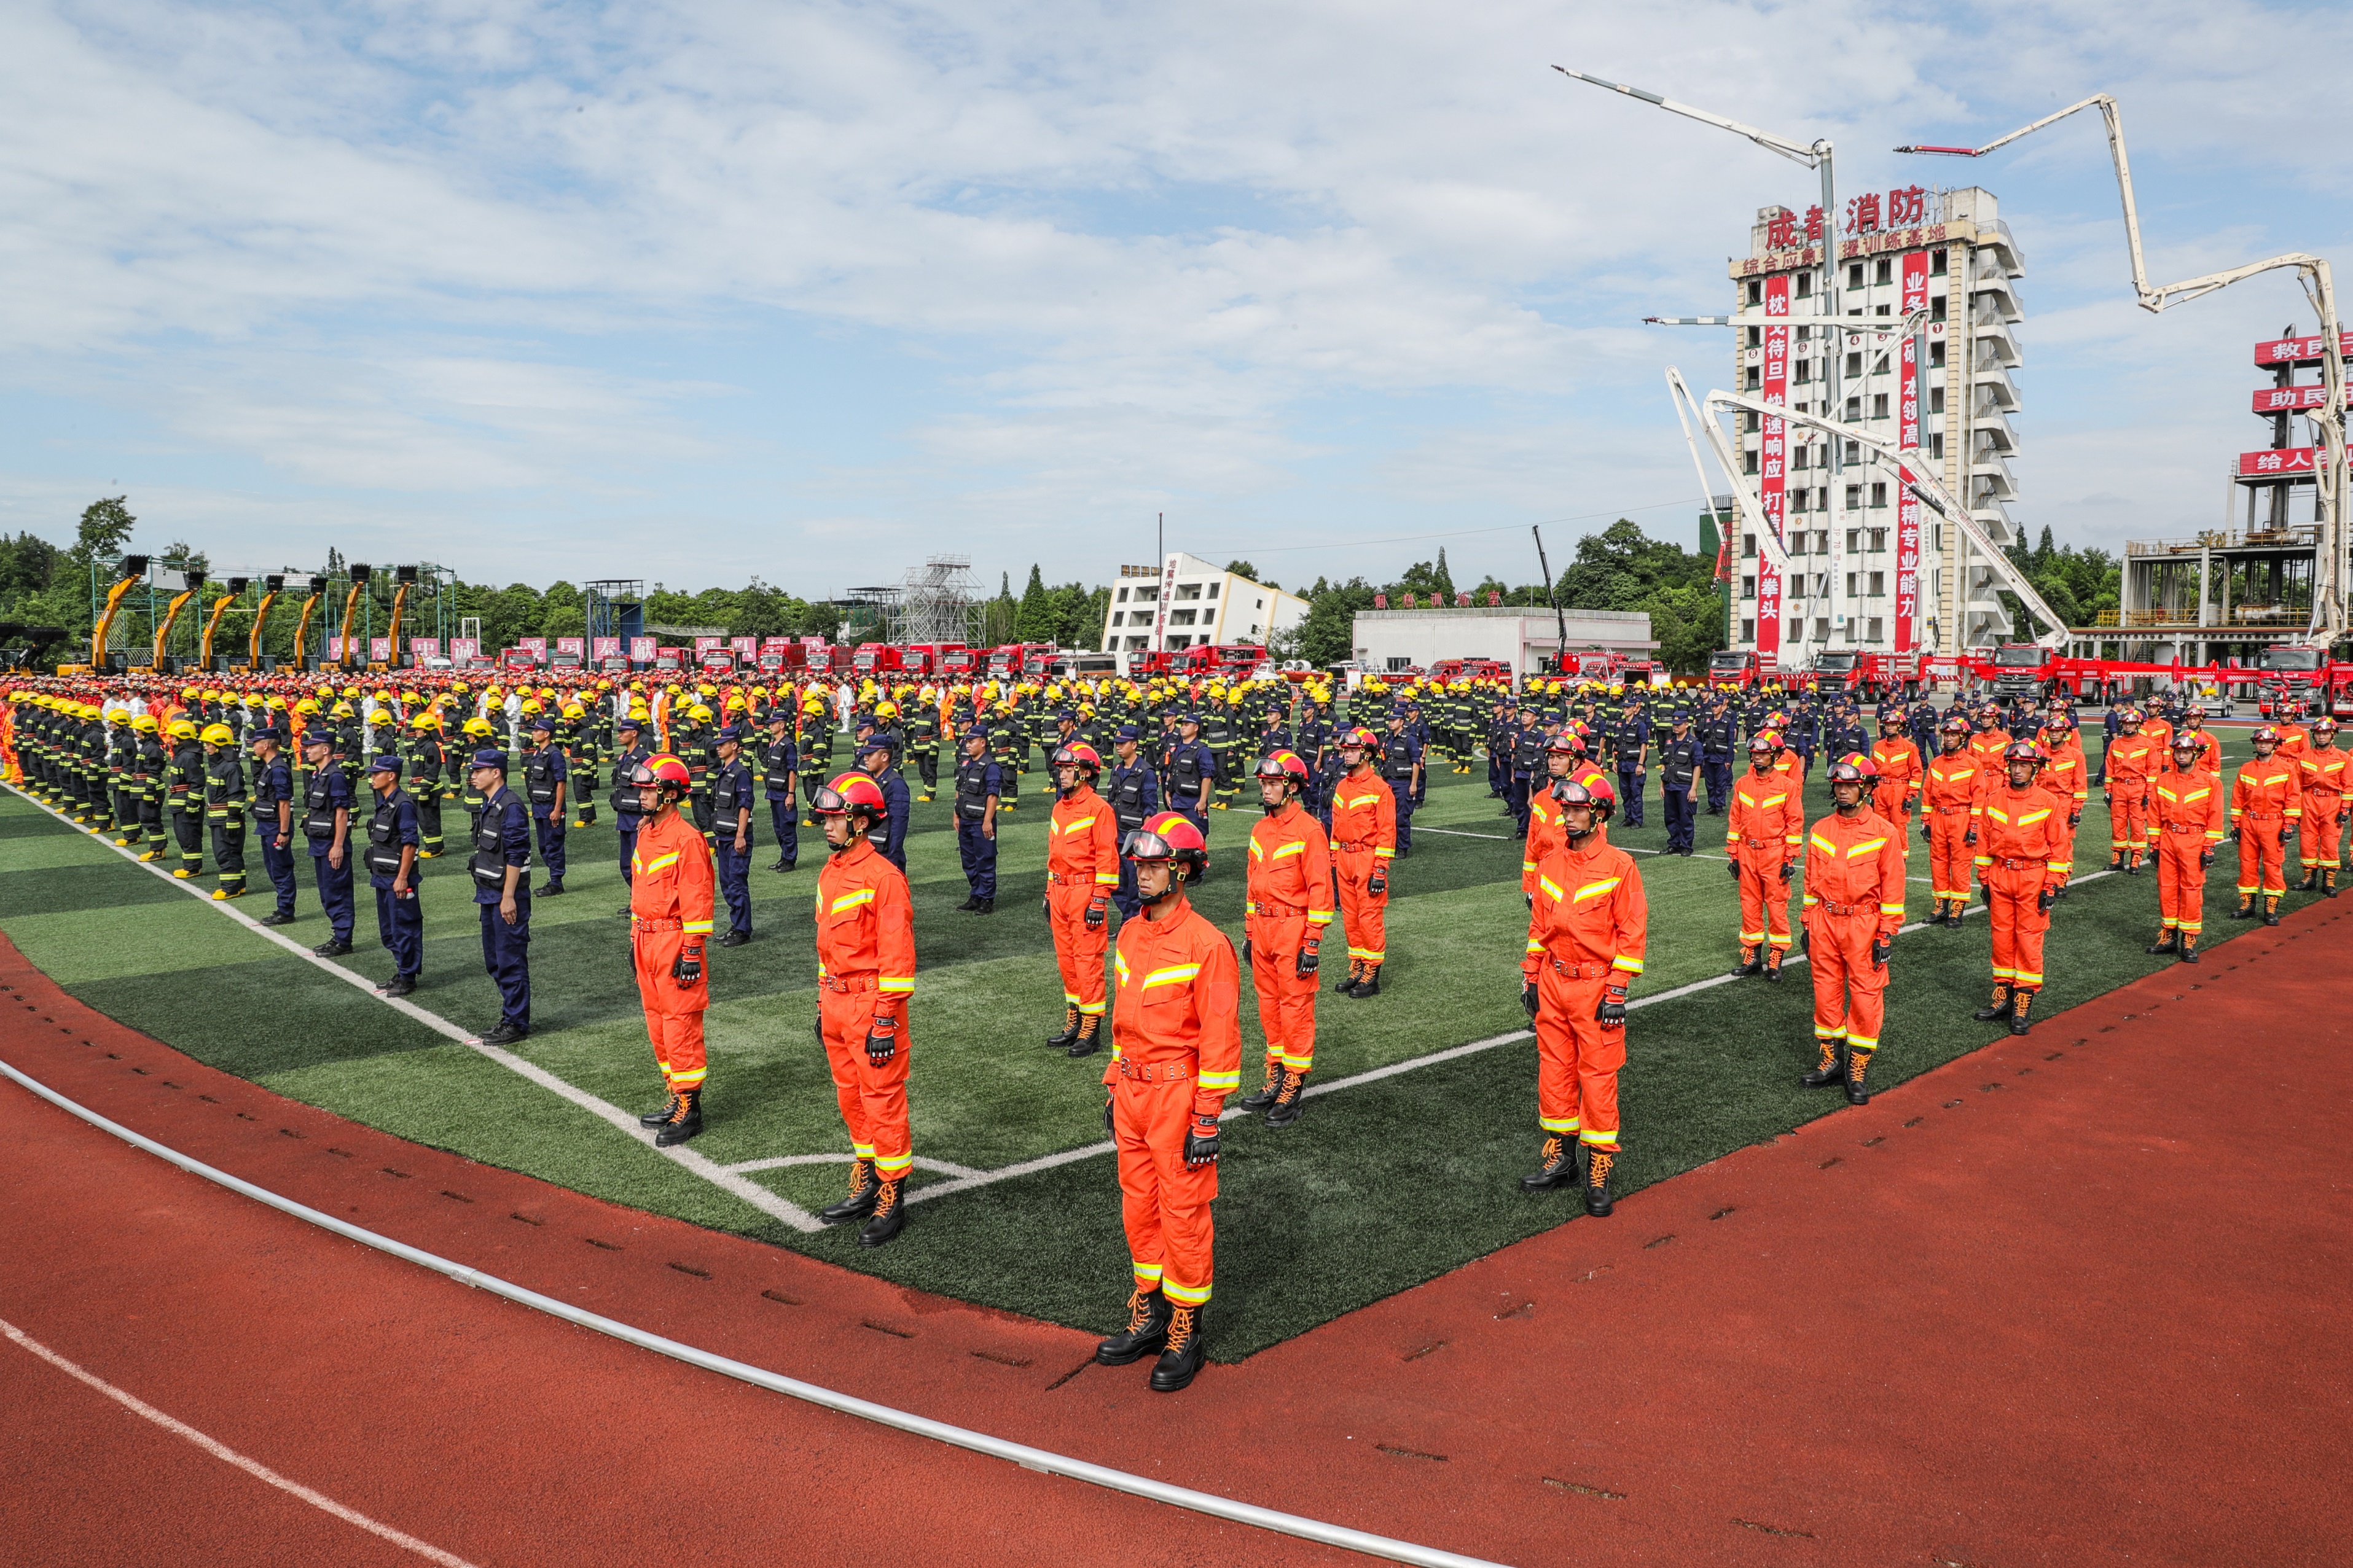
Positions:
(701, 1165)
(227, 1455)
(1041, 1460)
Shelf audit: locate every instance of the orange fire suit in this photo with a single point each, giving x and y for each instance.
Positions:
(2295, 740)
(1543, 822)
(1898, 790)
(1854, 898)
(670, 907)
(1176, 1053)
(1288, 902)
(2321, 776)
(1762, 837)
(2161, 732)
(2187, 820)
(2265, 797)
(1364, 839)
(2210, 752)
(1587, 937)
(2021, 852)
(2064, 773)
(1949, 795)
(1987, 746)
(2133, 761)
(865, 975)
(1082, 870)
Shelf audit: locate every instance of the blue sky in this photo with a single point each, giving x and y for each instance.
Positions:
(809, 291)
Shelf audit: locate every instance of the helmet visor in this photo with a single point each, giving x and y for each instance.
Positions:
(1141, 844)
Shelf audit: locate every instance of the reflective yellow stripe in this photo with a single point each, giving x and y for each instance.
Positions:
(851, 900)
(886, 983)
(1773, 800)
(659, 863)
(1387, 854)
(2032, 818)
(1551, 889)
(1823, 844)
(1631, 965)
(695, 928)
(1891, 908)
(1595, 889)
(1172, 975)
(1074, 825)
(1119, 966)
(1256, 853)
(1220, 1081)
(1865, 848)
(1297, 846)
(1107, 878)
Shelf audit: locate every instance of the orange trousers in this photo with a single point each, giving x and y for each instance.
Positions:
(1889, 800)
(1949, 858)
(1078, 951)
(1286, 1004)
(2181, 880)
(1164, 1203)
(2263, 858)
(1849, 992)
(1364, 917)
(1576, 1058)
(2018, 924)
(1764, 897)
(2129, 830)
(2319, 842)
(674, 1012)
(873, 1100)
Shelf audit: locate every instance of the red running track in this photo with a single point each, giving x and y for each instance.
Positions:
(2076, 1298)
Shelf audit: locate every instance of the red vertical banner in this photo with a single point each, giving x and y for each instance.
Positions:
(1911, 386)
(1773, 461)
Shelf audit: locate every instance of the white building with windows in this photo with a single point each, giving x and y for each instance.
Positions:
(1870, 566)
(1187, 603)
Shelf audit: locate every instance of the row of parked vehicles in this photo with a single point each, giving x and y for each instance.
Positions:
(2305, 680)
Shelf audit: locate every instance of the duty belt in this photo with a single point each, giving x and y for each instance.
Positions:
(2008, 864)
(1946, 810)
(650, 923)
(1057, 878)
(846, 982)
(1155, 1072)
(2184, 826)
(1842, 910)
(1758, 843)
(1279, 911)
(1562, 967)
(1359, 847)
(2262, 816)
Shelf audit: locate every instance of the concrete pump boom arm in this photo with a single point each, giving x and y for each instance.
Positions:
(1809, 153)
(1752, 511)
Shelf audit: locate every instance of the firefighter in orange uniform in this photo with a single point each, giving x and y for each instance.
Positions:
(2210, 749)
(1082, 872)
(2022, 861)
(2187, 820)
(2321, 774)
(1565, 758)
(1587, 937)
(1897, 761)
(669, 924)
(2066, 774)
(1949, 793)
(1989, 741)
(1762, 838)
(1176, 1053)
(1855, 906)
(2266, 799)
(866, 976)
(2132, 760)
(1364, 846)
(1286, 908)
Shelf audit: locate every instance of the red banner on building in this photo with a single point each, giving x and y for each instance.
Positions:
(2299, 351)
(1910, 387)
(2289, 399)
(1772, 459)
(604, 647)
(2282, 460)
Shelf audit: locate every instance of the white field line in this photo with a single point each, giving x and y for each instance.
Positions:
(841, 1157)
(229, 1456)
(687, 1159)
(1458, 833)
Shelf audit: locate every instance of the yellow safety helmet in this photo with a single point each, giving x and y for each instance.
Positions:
(308, 705)
(350, 691)
(218, 735)
(117, 715)
(477, 725)
(699, 713)
(145, 723)
(456, 689)
(886, 710)
(384, 696)
(405, 696)
(340, 710)
(184, 728)
(428, 719)
(188, 694)
(574, 710)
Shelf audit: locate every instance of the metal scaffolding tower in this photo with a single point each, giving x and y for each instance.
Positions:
(936, 603)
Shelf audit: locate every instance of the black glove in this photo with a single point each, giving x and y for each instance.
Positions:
(2239, 836)
(2205, 857)
(1378, 883)
(1308, 961)
(1806, 939)
(1926, 835)
(2043, 901)
(1882, 950)
(2287, 833)
(882, 1041)
(1528, 996)
(1046, 906)
(1611, 1013)
(1246, 952)
(1098, 911)
(2075, 819)
(2342, 818)
(1734, 868)
(1789, 869)
(687, 967)
(1971, 838)
(1107, 1126)
(1201, 1142)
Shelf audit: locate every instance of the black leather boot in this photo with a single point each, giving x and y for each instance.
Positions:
(1773, 964)
(2168, 940)
(1069, 1032)
(1148, 1312)
(1556, 1165)
(1089, 1038)
(1597, 1162)
(655, 1117)
(1748, 963)
(1369, 984)
(1355, 973)
(2021, 1004)
(1857, 1063)
(1268, 1095)
(864, 1188)
(1291, 1103)
(889, 1216)
(2004, 998)
(684, 1123)
(2271, 910)
(1827, 1071)
(1182, 1359)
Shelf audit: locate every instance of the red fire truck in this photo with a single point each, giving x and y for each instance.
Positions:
(2304, 680)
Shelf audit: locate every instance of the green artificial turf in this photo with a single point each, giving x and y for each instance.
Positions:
(1380, 1187)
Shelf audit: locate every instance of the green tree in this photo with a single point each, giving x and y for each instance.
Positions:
(1033, 618)
(1328, 633)
(104, 532)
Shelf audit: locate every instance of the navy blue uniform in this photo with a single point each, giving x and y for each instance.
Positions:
(1135, 796)
(273, 781)
(779, 761)
(330, 790)
(978, 778)
(399, 921)
(1680, 762)
(627, 817)
(730, 797)
(503, 838)
(1717, 735)
(1401, 753)
(1189, 762)
(1633, 735)
(543, 770)
(900, 804)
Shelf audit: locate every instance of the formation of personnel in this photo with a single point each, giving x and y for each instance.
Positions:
(1999, 792)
